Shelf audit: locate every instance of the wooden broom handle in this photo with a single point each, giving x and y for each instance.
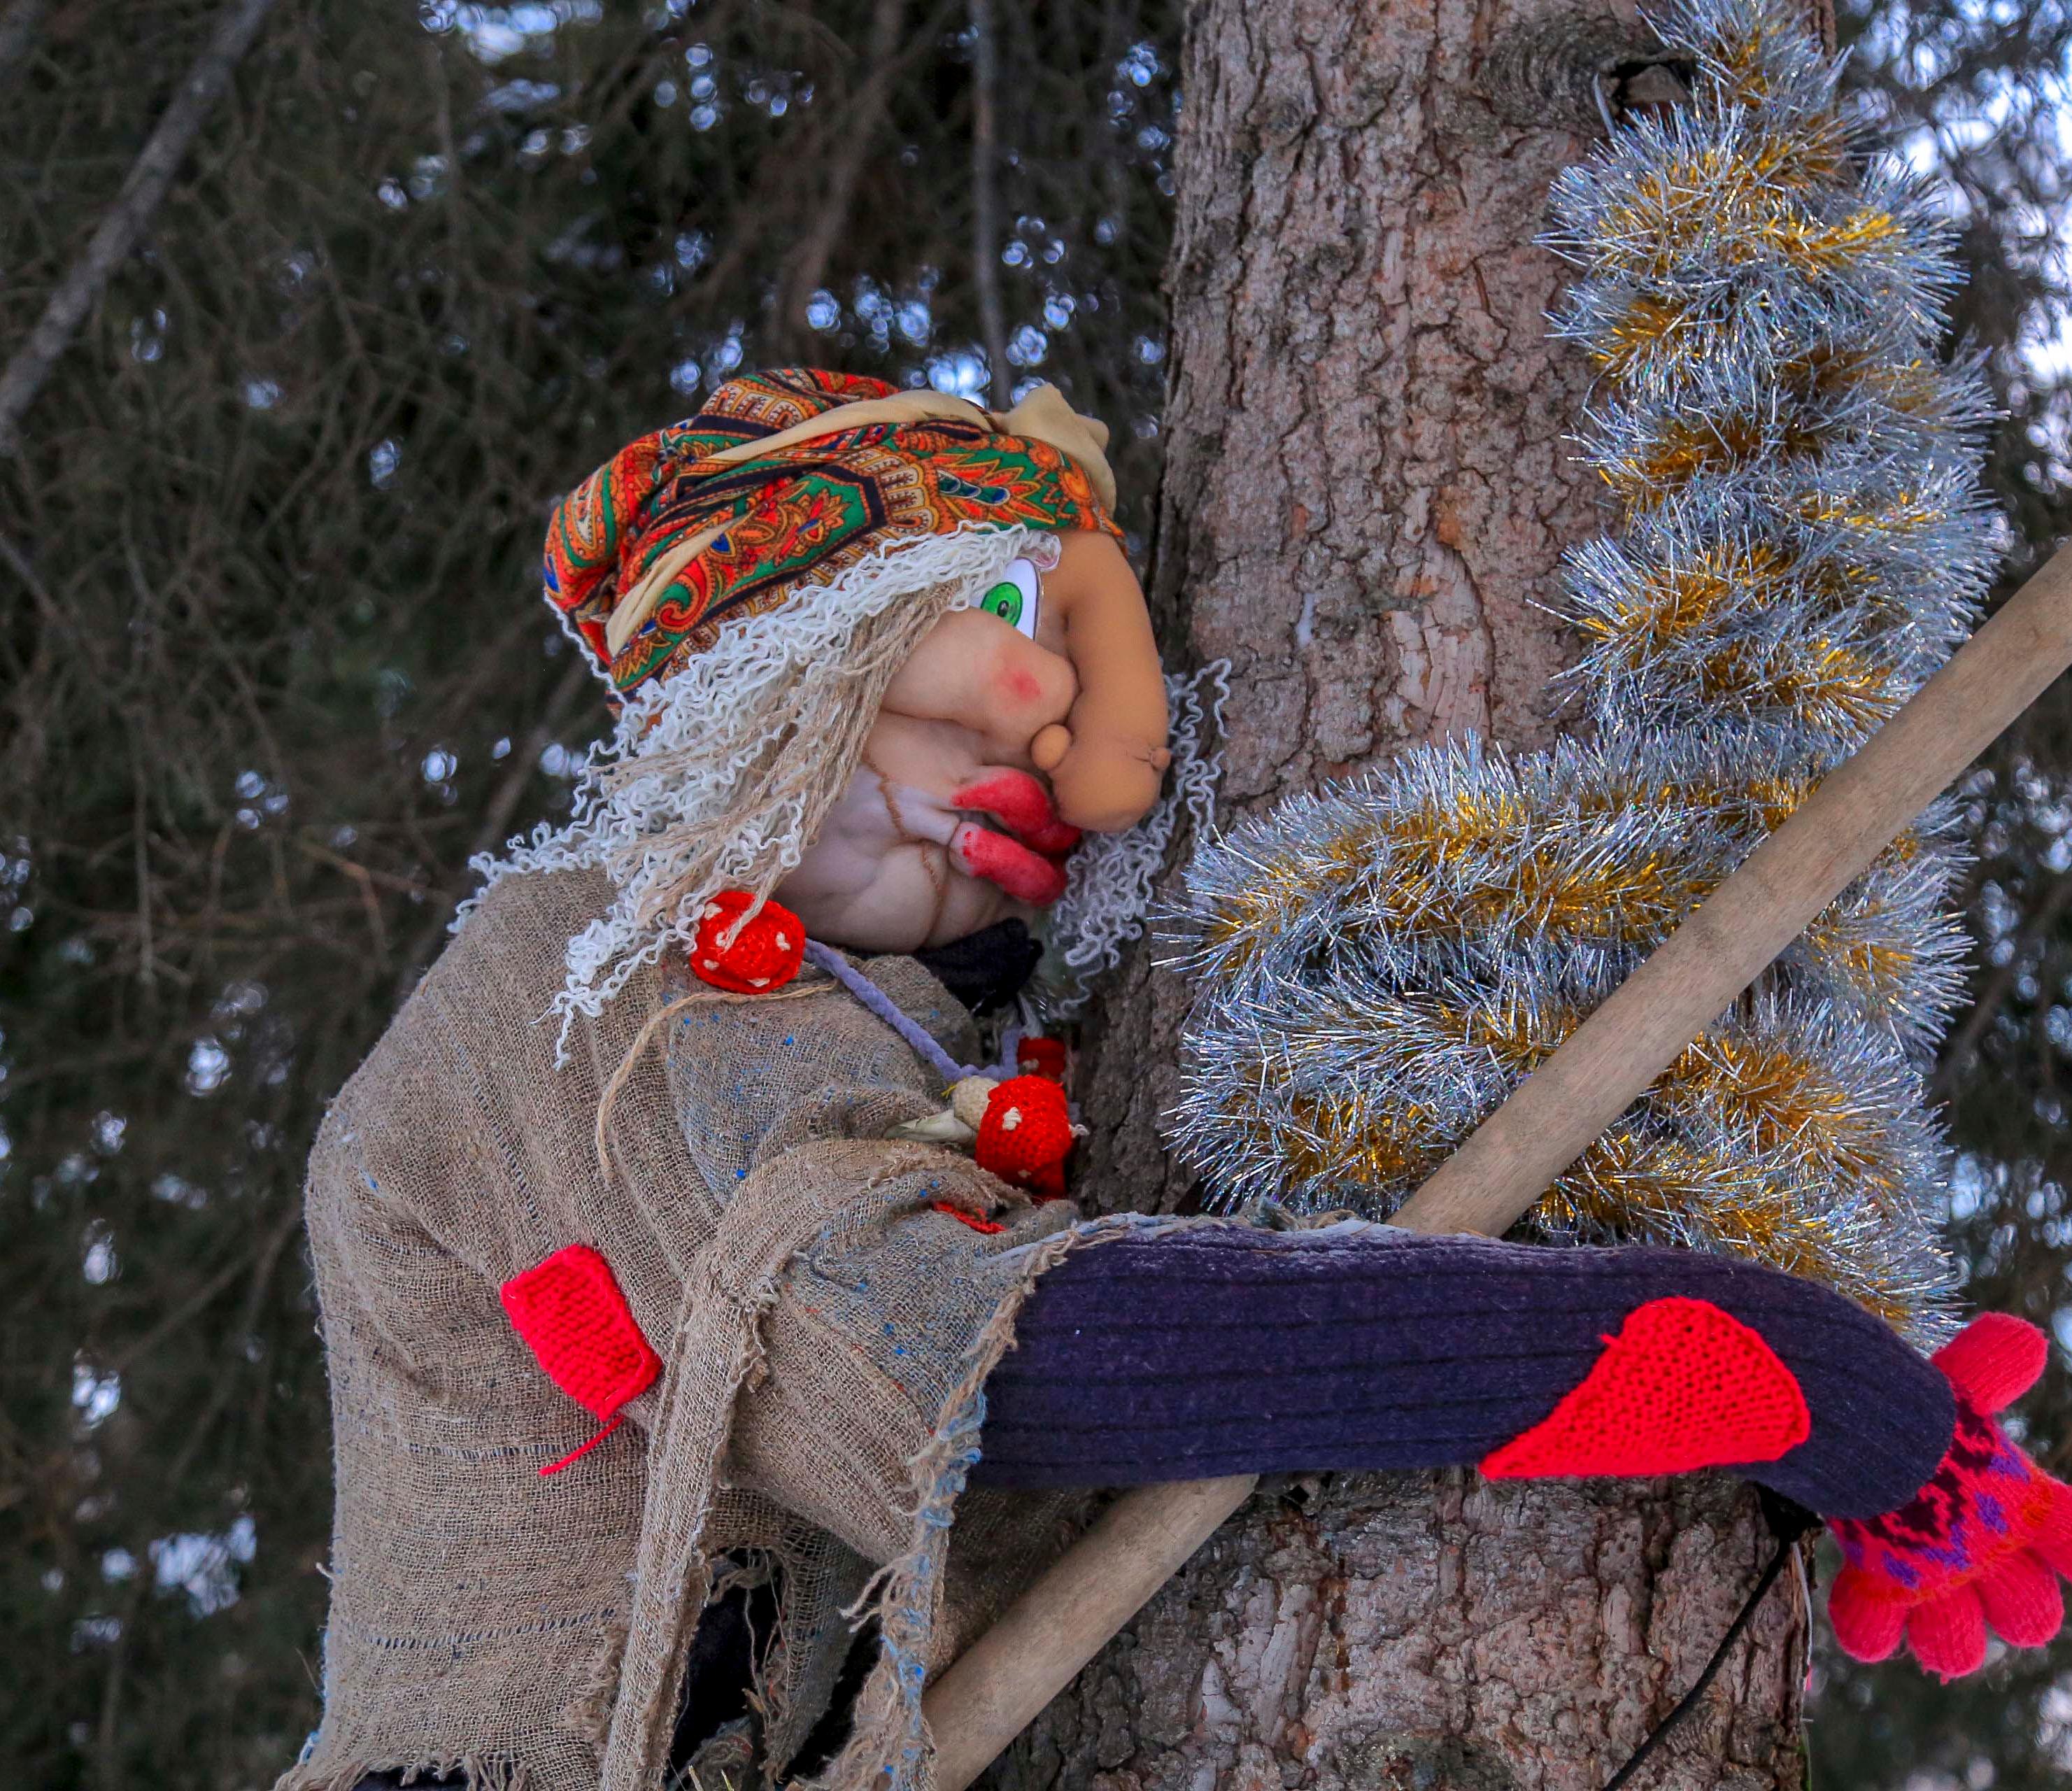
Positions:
(1826, 843)
(995, 1688)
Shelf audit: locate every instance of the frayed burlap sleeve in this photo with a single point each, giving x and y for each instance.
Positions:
(865, 1342)
(826, 1339)
(825, 1333)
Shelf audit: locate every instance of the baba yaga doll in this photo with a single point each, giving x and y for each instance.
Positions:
(667, 1324)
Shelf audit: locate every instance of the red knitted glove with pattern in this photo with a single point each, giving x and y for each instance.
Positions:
(1983, 1542)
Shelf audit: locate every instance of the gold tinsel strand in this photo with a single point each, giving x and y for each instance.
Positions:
(1799, 544)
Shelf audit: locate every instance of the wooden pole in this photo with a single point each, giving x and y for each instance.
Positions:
(993, 1690)
(1826, 843)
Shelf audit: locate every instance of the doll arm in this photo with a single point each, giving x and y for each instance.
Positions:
(877, 1319)
(1224, 1351)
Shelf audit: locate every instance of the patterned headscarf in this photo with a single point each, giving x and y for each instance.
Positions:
(748, 583)
(729, 533)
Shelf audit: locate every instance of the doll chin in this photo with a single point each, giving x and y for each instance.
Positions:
(909, 904)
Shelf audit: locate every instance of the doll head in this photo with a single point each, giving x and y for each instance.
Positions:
(879, 652)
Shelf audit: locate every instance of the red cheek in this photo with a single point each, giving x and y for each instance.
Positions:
(1018, 685)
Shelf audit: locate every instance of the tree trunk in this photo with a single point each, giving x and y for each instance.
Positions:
(1368, 486)
(1437, 1632)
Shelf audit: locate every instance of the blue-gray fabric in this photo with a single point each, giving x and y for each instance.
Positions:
(1232, 1350)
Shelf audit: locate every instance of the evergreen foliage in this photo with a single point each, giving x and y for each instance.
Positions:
(274, 664)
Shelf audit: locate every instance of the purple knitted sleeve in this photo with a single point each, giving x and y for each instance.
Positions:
(1222, 1350)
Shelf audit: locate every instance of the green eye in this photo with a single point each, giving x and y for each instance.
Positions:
(1013, 599)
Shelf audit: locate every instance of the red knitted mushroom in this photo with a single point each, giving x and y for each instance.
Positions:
(1026, 1135)
(766, 955)
(1037, 1056)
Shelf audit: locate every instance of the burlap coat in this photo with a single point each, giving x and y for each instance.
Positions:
(825, 1332)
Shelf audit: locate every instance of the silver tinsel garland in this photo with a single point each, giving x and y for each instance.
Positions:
(1799, 542)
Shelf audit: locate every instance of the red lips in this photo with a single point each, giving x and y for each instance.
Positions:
(1027, 859)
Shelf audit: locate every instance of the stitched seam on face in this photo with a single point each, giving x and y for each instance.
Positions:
(938, 872)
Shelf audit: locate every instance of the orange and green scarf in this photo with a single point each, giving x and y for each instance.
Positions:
(802, 514)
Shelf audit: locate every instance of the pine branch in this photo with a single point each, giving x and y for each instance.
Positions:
(18, 31)
(148, 182)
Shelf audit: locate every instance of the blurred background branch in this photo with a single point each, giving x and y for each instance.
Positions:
(18, 31)
(125, 220)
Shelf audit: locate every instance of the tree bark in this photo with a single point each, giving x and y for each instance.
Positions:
(985, 199)
(1436, 1632)
(1368, 486)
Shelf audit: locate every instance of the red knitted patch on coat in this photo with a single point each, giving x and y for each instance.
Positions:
(573, 1317)
(1682, 1385)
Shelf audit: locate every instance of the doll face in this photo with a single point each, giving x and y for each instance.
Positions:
(947, 826)
(951, 822)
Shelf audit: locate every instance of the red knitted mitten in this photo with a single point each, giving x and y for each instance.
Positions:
(765, 955)
(1983, 1541)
